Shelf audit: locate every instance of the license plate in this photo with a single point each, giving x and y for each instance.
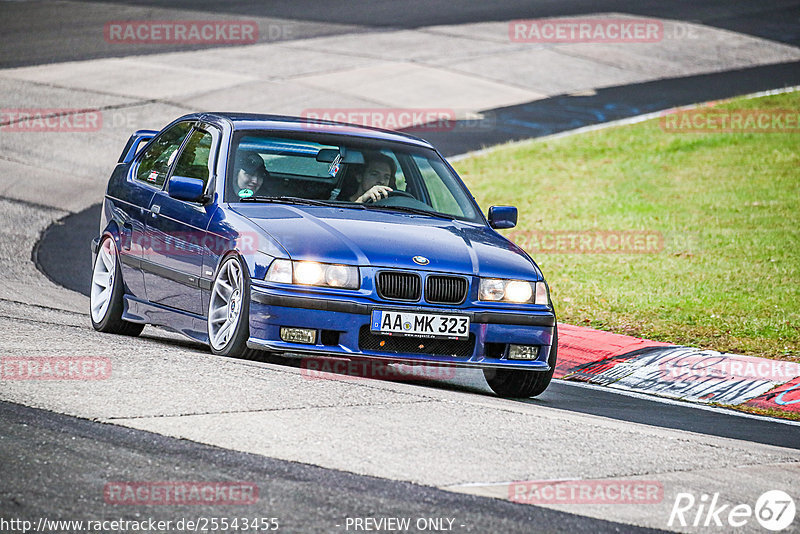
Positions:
(420, 324)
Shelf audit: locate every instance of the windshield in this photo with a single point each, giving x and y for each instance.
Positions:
(346, 171)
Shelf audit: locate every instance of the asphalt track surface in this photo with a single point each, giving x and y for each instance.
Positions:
(80, 456)
(30, 38)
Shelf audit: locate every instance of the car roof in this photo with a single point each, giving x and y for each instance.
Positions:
(256, 121)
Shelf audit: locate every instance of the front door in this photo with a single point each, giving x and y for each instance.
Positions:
(176, 230)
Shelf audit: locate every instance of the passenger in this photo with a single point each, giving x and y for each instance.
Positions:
(250, 174)
(375, 180)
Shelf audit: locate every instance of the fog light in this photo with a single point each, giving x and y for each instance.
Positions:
(299, 335)
(523, 352)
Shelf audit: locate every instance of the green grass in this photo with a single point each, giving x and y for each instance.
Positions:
(727, 206)
(768, 412)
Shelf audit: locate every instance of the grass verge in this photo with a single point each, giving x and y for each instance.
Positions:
(723, 270)
(767, 412)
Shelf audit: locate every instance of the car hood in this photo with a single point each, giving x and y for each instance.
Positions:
(389, 239)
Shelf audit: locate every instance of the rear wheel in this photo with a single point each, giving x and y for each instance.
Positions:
(523, 384)
(229, 309)
(105, 297)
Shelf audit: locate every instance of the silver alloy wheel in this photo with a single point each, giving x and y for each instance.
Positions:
(225, 307)
(105, 269)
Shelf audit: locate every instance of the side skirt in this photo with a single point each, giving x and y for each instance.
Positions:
(190, 325)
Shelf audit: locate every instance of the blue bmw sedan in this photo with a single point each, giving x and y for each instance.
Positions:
(290, 235)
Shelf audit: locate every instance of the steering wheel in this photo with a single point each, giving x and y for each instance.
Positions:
(394, 193)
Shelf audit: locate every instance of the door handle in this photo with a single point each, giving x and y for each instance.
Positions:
(156, 209)
(127, 233)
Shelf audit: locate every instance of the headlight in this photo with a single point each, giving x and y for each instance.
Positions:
(341, 276)
(308, 273)
(312, 273)
(517, 291)
(280, 271)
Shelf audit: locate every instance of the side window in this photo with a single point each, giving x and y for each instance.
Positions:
(156, 160)
(194, 160)
(442, 199)
(399, 177)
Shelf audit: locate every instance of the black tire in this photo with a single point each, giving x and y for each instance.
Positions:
(236, 344)
(523, 384)
(111, 321)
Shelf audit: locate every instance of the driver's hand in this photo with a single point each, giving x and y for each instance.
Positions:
(375, 193)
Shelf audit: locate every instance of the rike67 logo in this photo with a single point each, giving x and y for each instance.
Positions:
(774, 510)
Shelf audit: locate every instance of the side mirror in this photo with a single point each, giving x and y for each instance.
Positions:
(185, 188)
(501, 217)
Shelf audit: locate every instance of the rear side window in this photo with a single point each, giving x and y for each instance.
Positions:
(194, 160)
(158, 157)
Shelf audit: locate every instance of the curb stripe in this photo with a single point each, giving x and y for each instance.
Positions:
(673, 371)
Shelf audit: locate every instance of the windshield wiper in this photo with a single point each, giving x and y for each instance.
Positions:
(407, 209)
(287, 200)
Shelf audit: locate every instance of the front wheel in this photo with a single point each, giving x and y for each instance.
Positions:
(229, 309)
(523, 384)
(105, 297)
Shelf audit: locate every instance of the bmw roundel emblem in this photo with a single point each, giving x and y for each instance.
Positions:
(421, 260)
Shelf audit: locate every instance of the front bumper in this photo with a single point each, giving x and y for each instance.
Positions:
(342, 326)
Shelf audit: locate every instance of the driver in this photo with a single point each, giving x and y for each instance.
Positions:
(376, 180)
(250, 174)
